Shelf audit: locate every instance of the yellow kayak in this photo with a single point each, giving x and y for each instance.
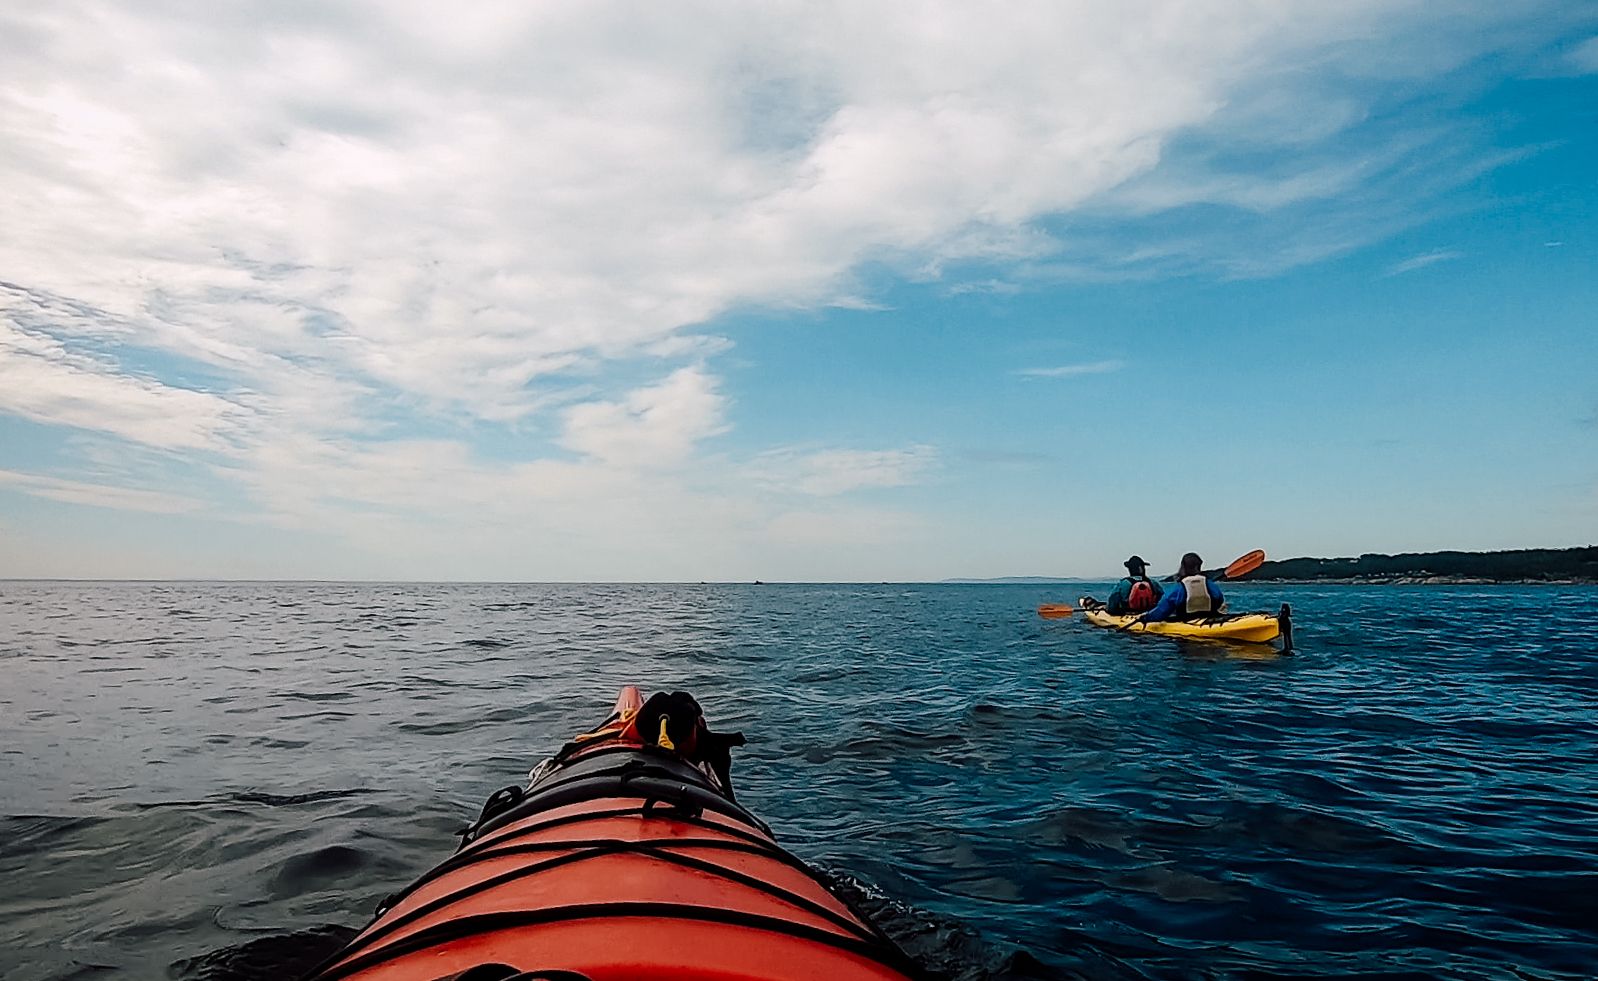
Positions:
(1259, 628)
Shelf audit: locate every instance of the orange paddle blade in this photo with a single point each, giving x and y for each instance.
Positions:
(1055, 611)
(1245, 565)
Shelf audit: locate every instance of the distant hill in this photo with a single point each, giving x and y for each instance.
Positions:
(1518, 565)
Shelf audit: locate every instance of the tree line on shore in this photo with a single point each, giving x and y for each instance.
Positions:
(1533, 564)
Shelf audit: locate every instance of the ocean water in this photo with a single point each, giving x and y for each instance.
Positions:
(212, 780)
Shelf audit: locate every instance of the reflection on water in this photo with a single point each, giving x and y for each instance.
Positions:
(212, 780)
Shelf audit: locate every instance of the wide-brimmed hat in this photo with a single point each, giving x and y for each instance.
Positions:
(1135, 563)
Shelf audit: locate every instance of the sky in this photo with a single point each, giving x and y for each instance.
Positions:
(822, 291)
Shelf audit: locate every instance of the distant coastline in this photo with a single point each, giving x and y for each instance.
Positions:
(1419, 581)
(1526, 566)
(1568, 566)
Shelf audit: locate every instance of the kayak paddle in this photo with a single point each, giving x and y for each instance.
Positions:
(1241, 566)
(1244, 565)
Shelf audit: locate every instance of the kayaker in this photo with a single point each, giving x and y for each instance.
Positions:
(1136, 593)
(1192, 596)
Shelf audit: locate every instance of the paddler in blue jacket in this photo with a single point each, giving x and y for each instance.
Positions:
(1191, 598)
(1137, 592)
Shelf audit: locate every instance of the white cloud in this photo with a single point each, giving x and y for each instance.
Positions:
(825, 473)
(1073, 370)
(1423, 260)
(462, 515)
(98, 495)
(1584, 56)
(46, 382)
(698, 346)
(475, 201)
(654, 426)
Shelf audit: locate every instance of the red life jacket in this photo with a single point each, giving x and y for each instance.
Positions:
(1141, 597)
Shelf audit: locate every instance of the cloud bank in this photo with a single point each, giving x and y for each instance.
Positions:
(286, 240)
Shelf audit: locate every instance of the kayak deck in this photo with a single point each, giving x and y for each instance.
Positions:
(622, 860)
(1258, 628)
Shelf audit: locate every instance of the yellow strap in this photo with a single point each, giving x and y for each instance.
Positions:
(663, 740)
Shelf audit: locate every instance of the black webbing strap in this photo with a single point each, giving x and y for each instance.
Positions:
(683, 779)
(504, 972)
(610, 812)
(507, 845)
(487, 848)
(882, 953)
(661, 851)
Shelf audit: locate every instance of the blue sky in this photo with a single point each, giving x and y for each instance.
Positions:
(812, 292)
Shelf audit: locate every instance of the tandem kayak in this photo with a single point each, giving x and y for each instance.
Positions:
(627, 856)
(1261, 628)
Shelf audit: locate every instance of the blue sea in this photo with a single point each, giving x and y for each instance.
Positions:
(210, 780)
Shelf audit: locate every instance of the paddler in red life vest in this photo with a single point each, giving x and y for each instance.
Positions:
(1136, 593)
(1193, 597)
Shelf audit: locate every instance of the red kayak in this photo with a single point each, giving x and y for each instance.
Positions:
(627, 857)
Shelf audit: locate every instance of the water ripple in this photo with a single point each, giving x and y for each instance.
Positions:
(217, 780)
